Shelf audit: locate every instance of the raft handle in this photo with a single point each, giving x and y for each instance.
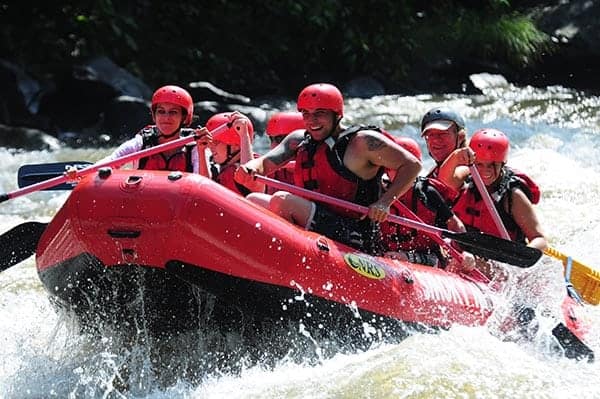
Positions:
(104, 173)
(175, 176)
(133, 180)
(322, 244)
(124, 233)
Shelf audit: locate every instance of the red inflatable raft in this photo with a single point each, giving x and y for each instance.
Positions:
(130, 245)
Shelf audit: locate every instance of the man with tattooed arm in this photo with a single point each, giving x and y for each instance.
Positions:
(346, 163)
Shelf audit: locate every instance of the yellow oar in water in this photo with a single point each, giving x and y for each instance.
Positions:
(585, 279)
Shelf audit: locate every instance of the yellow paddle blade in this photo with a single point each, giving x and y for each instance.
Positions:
(585, 279)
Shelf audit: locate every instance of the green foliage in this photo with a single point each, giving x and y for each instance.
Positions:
(512, 39)
(521, 40)
(492, 33)
(274, 47)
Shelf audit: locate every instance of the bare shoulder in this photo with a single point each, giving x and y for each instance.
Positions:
(370, 140)
(521, 205)
(519, 197)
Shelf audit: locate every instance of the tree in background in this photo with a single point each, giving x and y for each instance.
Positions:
(275, 47)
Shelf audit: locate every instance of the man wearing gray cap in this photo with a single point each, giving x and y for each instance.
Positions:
(445, 135)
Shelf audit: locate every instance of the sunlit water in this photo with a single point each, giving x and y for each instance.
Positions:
(554, 136)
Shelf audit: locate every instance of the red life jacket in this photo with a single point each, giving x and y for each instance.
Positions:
(224, 175)
(225, 178)
(397, 237)
(181, 160)
(471, 208)
(320, 167)
(284, 174)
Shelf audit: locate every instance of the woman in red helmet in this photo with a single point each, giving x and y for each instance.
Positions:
(513, 195)
(425, 200)
(229, 148)
(346, 163)
(172, 110)
(512, 192)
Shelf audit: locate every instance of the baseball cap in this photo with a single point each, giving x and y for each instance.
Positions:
(440, 124)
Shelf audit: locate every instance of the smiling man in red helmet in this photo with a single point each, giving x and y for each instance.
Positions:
(346, 163)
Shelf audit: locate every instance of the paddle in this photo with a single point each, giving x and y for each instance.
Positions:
(480, 244)
(583, 279)
(34, 173)
(72, 175)
(488, 202)
(20, 242)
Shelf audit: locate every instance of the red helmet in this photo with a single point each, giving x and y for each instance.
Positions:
(409, 145)
(175, 95)
(282, 123)
(490, 145)
(321, 95)
(228, 136)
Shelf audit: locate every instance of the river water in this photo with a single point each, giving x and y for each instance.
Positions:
(555, 137)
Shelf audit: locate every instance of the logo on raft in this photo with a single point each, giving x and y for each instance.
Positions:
(365, 266)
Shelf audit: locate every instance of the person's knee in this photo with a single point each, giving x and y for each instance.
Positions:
(259, 199)
(293, 208)
(253, 196)
(280, 202)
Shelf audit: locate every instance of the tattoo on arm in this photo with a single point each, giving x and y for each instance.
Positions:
(285, 151)
(374, 143)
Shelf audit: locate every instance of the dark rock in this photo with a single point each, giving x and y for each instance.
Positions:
(574, 27)
(27, 139)
(88, 138)
(75, 104)
(573, 60)
(257, 115)
(573, 24)
(83, 93)
(363, 87)
(19, 97)
(206, 91)
(123, 117)
(484, 81)
(444, 75)
(203, 110)
(103, 70)
(212, 100)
